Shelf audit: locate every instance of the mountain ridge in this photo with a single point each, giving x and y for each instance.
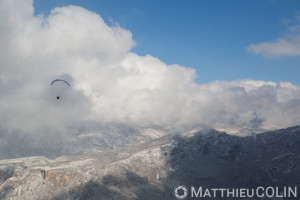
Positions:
(151, 170)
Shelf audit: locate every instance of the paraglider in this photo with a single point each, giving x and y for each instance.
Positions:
(62, 81)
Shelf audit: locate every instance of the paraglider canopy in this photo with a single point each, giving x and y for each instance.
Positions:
(56, 80)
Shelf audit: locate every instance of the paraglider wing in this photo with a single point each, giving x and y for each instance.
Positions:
(56, 80)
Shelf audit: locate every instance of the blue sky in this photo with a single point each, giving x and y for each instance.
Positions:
(211, 36)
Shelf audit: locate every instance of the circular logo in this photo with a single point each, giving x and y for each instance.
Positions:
(180, 192)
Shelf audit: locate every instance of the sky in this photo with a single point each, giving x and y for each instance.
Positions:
(222, 40)
(173, 66)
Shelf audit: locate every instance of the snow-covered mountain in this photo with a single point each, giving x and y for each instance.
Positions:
(151, 170)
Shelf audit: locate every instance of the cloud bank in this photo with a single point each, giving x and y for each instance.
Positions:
(286, 46)
(110, 84)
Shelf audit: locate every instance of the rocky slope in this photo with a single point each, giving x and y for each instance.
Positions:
(151, 170)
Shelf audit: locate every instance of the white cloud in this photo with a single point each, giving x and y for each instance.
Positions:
(281, 47)
(111, 84)
(287, 46)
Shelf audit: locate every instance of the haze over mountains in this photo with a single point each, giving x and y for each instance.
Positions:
(87, 139)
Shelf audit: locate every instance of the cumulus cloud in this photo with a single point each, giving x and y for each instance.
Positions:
(111, 84)
(286, 46)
